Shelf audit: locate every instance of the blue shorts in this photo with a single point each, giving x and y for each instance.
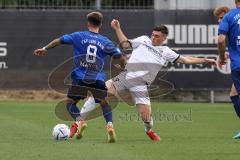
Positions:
(80, 88)
(236, 79)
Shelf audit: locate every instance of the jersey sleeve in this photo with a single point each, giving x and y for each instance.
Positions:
(171, 56)
(137, 41)
(67, 38)
(111, 49)
(224, 25)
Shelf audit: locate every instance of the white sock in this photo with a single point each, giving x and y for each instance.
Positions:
(88, 106)
(148, 125)
(110, 123)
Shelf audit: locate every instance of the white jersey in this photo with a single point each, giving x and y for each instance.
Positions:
(147, 60)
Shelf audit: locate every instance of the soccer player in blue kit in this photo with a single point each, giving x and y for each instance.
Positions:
(230, 28)
(90, 50)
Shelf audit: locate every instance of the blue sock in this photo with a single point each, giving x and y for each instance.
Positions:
(107, 112)
(73, 110)
(236, 104)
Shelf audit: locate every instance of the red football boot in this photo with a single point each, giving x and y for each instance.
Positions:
(153, 136)
(73, 130)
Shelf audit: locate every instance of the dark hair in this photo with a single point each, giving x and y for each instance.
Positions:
(162, 29)
(95, 18)
(237, 1)
(220, 10)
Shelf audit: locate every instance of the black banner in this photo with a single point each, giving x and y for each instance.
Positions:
(191, 32)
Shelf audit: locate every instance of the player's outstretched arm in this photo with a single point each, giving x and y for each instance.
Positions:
(43, 51)
(195, 60)
(115, 24)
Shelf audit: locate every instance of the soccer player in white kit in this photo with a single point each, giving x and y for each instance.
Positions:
(147, 59)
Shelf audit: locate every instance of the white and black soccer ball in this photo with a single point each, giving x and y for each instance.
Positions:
(61, 132)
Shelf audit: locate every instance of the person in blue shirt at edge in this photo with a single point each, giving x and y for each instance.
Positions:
(229, 28)
(90, 50)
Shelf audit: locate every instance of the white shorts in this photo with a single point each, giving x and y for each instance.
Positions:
(136, 86)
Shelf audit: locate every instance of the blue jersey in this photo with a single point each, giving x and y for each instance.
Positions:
(230, 26)
(90, 51)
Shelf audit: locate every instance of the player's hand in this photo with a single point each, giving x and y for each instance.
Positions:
(220, 62)
(115, 24)
(40, 52)
(211, 62)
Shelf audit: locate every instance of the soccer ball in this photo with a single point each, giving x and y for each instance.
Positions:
(61, 132)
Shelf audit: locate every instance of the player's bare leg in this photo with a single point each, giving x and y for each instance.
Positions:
(145, 113)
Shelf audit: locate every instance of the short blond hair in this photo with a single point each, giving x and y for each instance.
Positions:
(219, 10)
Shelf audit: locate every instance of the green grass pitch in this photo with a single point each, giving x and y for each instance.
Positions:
(188, 131)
